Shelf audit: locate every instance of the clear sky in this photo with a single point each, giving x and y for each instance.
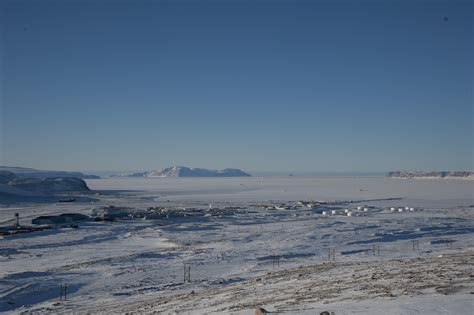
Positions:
(258, 85)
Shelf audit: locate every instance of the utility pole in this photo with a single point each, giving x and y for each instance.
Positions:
(376, 250)
(331, 254)
(416, 244)
(276, 261)
(187, 272)
(63, 292)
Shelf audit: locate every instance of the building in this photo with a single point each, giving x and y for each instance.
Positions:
(58, 219)
(112, 212)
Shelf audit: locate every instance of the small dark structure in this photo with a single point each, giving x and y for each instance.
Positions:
(48, 219)
(22, 229)
(67, 200)
(58, 219)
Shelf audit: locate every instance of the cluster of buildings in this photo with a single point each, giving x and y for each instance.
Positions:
(297, 205)
(360, 210)
(111, 213)
(17, 228)
(402, 209)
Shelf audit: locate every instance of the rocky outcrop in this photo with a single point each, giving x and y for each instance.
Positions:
(25, 172)
(50, 185)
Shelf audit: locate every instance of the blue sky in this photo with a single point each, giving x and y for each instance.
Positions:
(258, 85)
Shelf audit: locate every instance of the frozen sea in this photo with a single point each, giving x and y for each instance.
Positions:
(416, 192)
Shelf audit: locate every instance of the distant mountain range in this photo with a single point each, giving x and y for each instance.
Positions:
(432, 174)
(24, 172)
(182, 171)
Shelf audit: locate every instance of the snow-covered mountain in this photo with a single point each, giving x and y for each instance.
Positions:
(182, 171)
(25, 172)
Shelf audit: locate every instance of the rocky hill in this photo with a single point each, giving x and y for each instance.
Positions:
(25, 172)
(12, 185)
(50, 185)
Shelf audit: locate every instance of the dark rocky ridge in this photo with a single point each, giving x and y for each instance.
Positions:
(12, 185)
(24, 172)
(50, 185)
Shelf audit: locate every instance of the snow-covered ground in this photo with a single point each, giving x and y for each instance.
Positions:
(410, 262)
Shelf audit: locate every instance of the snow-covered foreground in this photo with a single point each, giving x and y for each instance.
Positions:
(390, 262)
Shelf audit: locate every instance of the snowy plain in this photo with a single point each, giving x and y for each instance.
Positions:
(276, 259)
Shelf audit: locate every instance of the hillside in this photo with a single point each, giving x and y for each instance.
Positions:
(24, 172)
(13, 186)
(50, 185)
